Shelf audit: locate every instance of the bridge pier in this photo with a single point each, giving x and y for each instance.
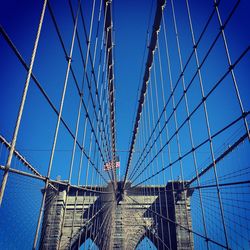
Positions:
(123, 221)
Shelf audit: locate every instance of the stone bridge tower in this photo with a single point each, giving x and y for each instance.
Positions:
(120, 222)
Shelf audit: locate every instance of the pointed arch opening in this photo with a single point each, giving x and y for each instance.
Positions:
(89, 244)
(146, 243)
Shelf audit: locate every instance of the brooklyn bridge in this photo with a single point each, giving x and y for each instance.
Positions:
(124, 124)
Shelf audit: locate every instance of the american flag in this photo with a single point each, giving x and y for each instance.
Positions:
(111, 164)
(117, 162)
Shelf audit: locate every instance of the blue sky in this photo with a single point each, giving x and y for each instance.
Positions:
(131, 21)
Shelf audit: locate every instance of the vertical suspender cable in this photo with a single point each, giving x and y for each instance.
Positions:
(20, 113)
(56, 130)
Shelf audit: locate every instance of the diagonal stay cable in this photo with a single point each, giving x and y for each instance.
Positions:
(89, 81)
(226, 152)
(194, 76)
(176, 85)
(178, 224)
(195, 109)
(43, 92)
(77, 126)
(22, 159)
(76, 237)
(225, 42)
(23, 101)
(198, 146)
(55, 137)
(74, 77)
(92, 61)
